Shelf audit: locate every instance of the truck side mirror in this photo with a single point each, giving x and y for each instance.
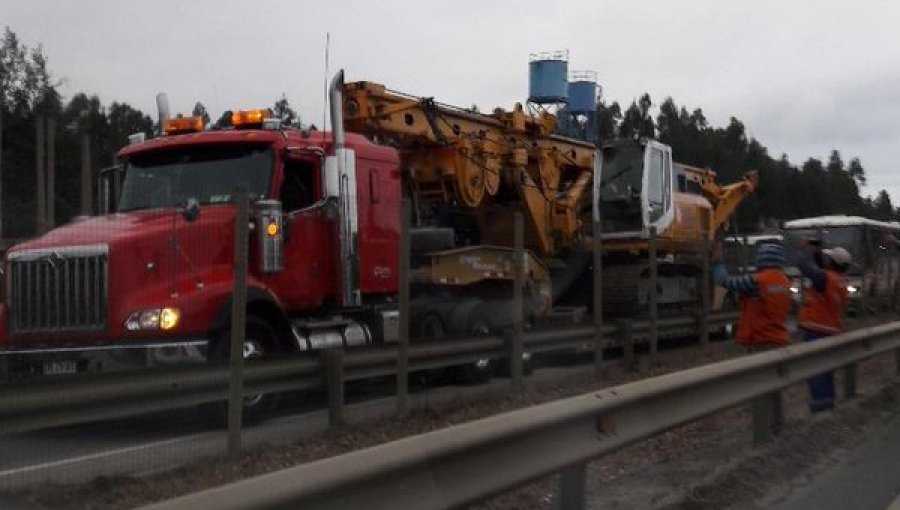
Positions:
(109, 187)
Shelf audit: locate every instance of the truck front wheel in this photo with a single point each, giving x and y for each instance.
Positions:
(259, 339)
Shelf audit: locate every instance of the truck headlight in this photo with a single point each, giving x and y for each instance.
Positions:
(154, 318)
(795, 289)
(852, 289)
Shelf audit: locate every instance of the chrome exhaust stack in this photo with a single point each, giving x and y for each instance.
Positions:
(162, 108)
(344, 165)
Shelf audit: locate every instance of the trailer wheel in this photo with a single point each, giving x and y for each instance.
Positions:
(476, 322)
(259, 340)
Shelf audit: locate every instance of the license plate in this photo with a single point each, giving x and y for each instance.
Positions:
(60, 367)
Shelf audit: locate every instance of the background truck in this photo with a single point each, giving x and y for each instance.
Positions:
(151, 281)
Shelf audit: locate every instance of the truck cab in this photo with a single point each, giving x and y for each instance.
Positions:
(154, 274)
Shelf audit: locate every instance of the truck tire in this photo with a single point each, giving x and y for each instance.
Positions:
(474, 321)
(260, 339)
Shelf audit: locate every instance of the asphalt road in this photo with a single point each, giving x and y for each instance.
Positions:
(865, 478)
(151, 443)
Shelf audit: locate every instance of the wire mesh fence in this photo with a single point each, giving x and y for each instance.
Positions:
(156, 310)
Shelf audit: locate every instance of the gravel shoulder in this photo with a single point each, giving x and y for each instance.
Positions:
(669, 471)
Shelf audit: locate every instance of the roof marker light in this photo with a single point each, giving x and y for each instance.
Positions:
(181, 125)
(249, 118)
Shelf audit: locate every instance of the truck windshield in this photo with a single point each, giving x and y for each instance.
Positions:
(208, 173)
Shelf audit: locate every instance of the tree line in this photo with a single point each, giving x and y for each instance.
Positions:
(28, 90)
(786, 191)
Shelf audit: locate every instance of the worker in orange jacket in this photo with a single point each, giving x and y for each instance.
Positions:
(822, 312)
(765, 304)
(765, 297)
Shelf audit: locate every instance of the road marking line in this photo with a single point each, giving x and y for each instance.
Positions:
(98, 455)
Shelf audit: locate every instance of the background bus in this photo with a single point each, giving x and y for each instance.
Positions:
(873, 245)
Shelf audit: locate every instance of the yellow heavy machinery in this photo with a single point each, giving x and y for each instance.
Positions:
(467, 173)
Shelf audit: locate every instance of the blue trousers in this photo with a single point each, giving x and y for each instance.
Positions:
(821, 387)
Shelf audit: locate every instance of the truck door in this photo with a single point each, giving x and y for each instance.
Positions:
(658, 195)
(308, 248)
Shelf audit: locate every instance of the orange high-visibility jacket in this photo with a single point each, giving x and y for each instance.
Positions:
(764, 316)
(823, 312)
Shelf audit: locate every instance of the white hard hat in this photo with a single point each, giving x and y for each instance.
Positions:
(839, 255)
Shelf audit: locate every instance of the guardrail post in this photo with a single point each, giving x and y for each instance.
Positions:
(626, 332)
(703, 315)
(884, 300)
(598, 297)
(892, 279)
(745, 255)
(767, 417)
(333, 358)
(572, 484)
(403, 298)
(238, 320)
(515, 345)
(653, 332)
(850, 372)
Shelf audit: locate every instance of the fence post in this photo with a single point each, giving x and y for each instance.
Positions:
(626, 332)
(703, 316)
(598, 297)
(39, 152)
(334, 381)
(653, 333)
(50, 215)
(1, 174)
(745, 255)
(403, 333)
(850, 372)
(892, 279)
(516, 348)
(238, 321)
(767, 417)
(86, 184)
(572, 484)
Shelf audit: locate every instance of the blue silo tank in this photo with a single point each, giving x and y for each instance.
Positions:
(582, 96)
(548, 75)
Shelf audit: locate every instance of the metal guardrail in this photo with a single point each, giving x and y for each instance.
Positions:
(37, 404)
(466, 463)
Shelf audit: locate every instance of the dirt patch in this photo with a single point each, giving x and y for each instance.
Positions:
(770, 472)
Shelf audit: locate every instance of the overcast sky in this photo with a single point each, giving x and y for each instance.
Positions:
(804, 78)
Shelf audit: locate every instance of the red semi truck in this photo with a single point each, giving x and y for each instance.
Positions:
(150, 280)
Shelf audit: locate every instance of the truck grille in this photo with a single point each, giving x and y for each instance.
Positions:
(58, 289)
